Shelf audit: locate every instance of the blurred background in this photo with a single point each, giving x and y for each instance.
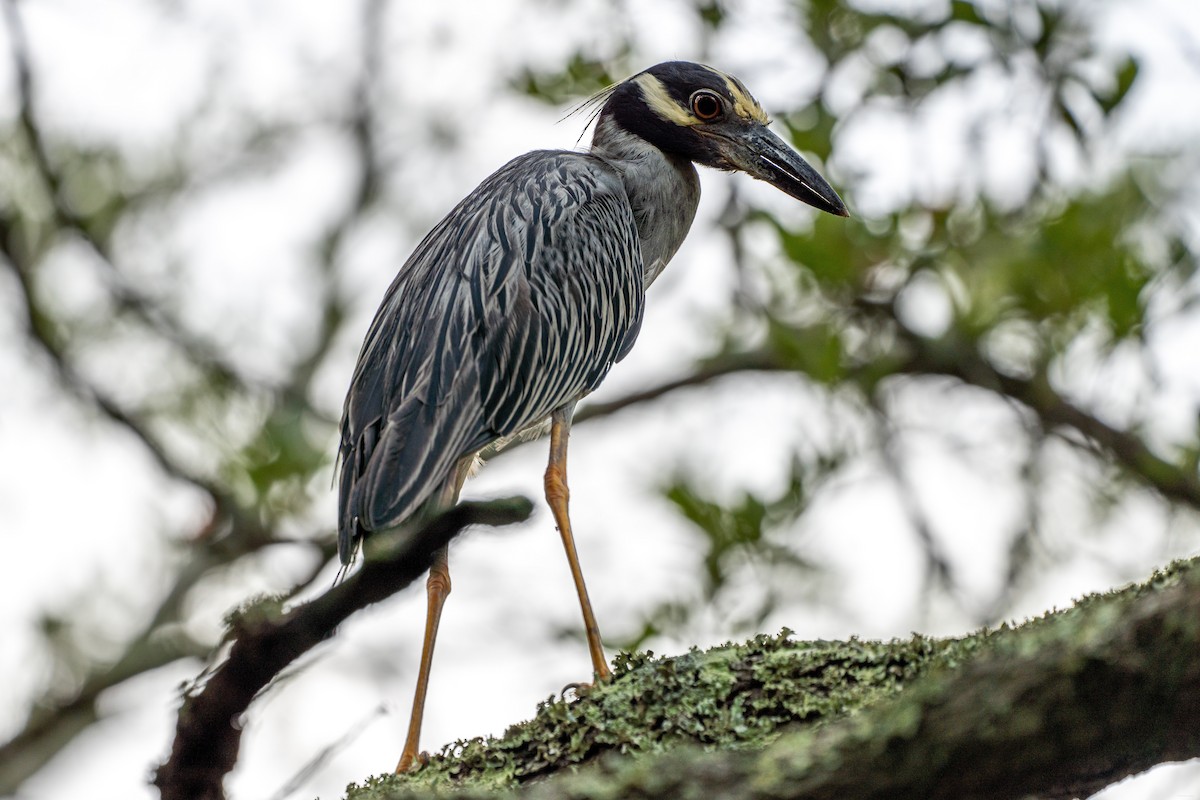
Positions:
(972, 402)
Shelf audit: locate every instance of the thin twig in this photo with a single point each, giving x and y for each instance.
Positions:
(939, 572)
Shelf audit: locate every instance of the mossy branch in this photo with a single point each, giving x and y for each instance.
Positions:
(207, 735)
(1056, 708)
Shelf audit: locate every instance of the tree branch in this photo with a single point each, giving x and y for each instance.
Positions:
(40, 332)
(1056, 708)
(234, 530)
(56, 721)
(51, 727)
(207, 735)
(958, 360)
(761, 360)
(961, 360)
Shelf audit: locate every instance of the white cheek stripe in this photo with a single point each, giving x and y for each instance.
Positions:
(660, 101)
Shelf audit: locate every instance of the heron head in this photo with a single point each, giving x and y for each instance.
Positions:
(704, 115)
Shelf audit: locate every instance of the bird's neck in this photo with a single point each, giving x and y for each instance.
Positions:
(663, 190)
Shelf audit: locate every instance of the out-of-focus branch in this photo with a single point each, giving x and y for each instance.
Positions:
(207, 736)
(939, 571)
(55, 722)
(126, 296)
(233, 530)
(232, 533)
(51, 728)
(761, 360)
(40, 328)
(962, 360)
(42, 333)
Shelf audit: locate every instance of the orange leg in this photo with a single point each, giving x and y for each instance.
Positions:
(437, 588)
(557, 495)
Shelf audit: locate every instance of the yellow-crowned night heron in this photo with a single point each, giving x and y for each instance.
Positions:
(520, 301)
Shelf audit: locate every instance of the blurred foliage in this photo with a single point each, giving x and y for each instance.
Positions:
(1006, 291)
(751, 533)
(1071, 270)
(581, 77)
(1075, 265)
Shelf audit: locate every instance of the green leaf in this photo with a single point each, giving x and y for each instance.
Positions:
(815, 350)
(581, 78)
(962, 11)
(1126, 75)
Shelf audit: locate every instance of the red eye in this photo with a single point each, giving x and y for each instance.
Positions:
(706, 106)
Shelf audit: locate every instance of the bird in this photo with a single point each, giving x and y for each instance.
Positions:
(518, 303)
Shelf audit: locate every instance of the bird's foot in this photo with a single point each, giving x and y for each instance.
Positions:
(410, 762)
(583, 688)
(577, 689)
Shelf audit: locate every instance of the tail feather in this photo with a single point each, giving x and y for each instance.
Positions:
(406, 461)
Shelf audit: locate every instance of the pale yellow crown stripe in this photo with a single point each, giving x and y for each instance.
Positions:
(745, 105)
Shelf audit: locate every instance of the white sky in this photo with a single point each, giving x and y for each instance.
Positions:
(80, 507)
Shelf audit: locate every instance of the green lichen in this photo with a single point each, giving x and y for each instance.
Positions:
(729, 696)
(746, 696)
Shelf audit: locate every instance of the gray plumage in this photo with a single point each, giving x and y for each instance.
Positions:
(523, 297)
(516, 304)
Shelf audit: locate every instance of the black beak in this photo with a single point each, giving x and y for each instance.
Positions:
(763, 155)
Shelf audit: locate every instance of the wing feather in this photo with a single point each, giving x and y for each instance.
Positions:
(514, 305)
